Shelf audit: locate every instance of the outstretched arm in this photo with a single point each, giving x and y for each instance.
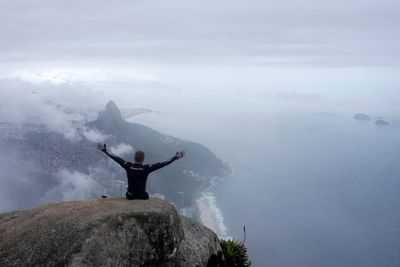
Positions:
(103, 147)
(159, 165)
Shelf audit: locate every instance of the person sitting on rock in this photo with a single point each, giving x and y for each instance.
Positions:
(138, 172)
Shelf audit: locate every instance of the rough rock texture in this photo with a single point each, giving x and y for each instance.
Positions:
(105, 232)
(200, 247)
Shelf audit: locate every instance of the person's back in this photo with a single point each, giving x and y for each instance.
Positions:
(137, 172)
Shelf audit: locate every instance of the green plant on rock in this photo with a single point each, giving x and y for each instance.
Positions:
(235, 252)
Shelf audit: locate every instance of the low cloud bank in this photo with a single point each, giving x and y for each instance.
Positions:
(122, 149)
(73, 185)
(61, 108)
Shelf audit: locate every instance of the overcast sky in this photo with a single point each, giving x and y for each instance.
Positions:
(318, 45)
(310, 32)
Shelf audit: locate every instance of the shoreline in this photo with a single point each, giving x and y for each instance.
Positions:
(210, 215)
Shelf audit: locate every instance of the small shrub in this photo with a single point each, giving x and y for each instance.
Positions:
(235, 253)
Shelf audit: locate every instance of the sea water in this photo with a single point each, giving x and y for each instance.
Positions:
(312, 189)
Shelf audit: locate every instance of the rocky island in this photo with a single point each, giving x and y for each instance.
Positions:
(362, 117)
(381, 123)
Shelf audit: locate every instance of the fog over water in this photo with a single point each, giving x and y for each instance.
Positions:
(271, 87)
(313, 185)
(312, 189)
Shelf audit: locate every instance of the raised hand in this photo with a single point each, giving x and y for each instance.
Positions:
(180, 154)
(102, 146)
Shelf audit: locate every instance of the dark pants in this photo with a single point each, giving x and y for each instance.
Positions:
(130, 196)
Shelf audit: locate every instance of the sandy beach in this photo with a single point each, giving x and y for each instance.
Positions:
(210, 215)
(205, 214)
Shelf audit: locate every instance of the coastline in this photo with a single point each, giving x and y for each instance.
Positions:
(204, 206)
(210, 215)
(207, 210)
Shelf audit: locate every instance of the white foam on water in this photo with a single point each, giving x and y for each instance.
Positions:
(210, 215)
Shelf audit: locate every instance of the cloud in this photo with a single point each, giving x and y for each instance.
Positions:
(61, 108)
(296, 95)
(73, 185)
(122, 149)
(171, 31)
(93, 135)
(62, 76)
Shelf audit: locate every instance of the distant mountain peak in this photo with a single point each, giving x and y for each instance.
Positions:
(112, 110)
(110, 117)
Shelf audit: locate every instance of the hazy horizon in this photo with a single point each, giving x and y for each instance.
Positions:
(339, 56)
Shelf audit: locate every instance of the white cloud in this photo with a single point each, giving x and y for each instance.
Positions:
(61, 76)
(73, 186)
(94, 135)
(61, 108)
(296, 95)
(122, 149)
(310, 31)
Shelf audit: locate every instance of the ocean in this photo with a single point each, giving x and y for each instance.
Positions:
(312, 189)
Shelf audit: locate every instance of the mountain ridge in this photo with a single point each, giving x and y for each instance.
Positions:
(41, 161)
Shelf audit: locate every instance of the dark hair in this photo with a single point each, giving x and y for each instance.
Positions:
(139, 156)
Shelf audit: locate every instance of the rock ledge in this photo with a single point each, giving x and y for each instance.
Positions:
(106, 232)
